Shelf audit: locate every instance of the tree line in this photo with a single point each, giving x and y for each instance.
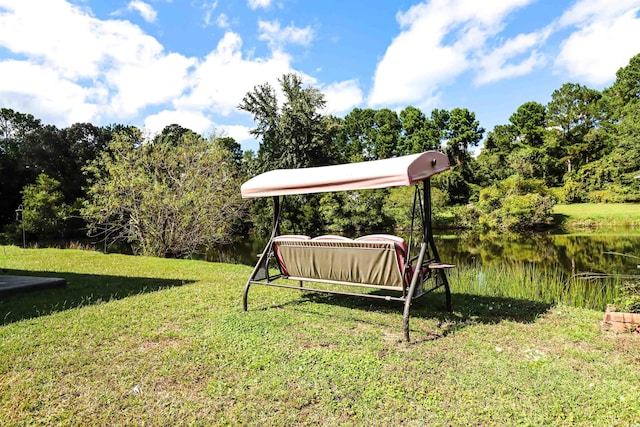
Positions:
(582, 146)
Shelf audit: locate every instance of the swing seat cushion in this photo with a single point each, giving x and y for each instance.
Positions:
(370, 261)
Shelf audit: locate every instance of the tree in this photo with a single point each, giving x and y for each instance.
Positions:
(627, 85)
(463, 131)
(228, 144)
(572, 112)
(623, 163)
(15, 129)
(419, 134)
(529, 122)
(525, 162)
(354, 211)
(460, 131)
(44, 207)
(492, 161)
(170, 197)
(295, 134)
(358, 126)
(82, 142)
(386, 133)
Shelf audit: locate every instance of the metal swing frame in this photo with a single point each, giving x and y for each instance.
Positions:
(425, 265)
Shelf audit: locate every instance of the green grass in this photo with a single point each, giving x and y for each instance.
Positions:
(143, 341)
(598, 215)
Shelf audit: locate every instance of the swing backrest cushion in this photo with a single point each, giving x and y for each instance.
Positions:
(365, 262)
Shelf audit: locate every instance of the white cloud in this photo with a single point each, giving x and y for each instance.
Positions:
(240, 134)
(436, 44)
(194, 120)
(44, 93)
(145, 10)
(201, 124)
(209, 8)
(585, 11)
(254, 4)
(500, 64)
(150, 81)
(276, 36)
(112, 60)
(607, 35)
(221, 80)
(342, 96)
(65, 65)
(222, 21)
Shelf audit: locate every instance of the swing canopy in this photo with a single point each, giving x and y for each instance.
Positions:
(395, 172)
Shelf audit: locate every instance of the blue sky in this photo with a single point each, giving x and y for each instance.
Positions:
(151, 63)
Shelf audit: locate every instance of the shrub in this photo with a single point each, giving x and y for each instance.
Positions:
(467, 216)
(605, 196)
(516, 204)
(558, 194)
(629, 300)
(398, 205)
(573, 192)
(169, 197)
(44, 207)
(527, 211)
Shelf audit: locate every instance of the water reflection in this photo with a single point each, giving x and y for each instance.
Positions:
(610, 254)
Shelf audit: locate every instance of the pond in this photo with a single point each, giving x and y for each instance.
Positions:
(571, 266)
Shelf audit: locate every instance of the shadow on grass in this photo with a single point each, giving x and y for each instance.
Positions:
(467, 309)
(81, 290)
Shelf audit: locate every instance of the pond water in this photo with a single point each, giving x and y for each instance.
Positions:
(613, 253)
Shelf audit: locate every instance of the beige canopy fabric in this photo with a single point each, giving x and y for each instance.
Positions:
(395, 172)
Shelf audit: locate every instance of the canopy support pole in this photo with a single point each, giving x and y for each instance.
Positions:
(261, 270)
(440, 275)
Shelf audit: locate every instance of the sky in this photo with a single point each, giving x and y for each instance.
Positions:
(151, 63)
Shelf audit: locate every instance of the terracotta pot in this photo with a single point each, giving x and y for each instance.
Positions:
(620, 321)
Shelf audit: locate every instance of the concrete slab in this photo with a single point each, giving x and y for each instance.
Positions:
(12, 284)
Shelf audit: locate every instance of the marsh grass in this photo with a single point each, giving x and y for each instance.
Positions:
(527, 281)
(171, 346)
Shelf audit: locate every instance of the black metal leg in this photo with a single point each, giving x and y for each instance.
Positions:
(260, 272)
(412, 288)
(245, 296)
(447, 290)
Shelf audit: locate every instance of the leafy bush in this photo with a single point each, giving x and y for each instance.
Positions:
(522, 212)
(398, 205)
(572, 192)
(629, 301)
(605, 196)
(464, 216)
(490, 199)
(516, 204)
(357, 210)
(170, 197)
(558, 194)
(44, 207)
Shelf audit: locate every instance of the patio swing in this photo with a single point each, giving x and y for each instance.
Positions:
(379, 261)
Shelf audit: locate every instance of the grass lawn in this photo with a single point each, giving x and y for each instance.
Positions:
(596, 215)
(145, 341)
